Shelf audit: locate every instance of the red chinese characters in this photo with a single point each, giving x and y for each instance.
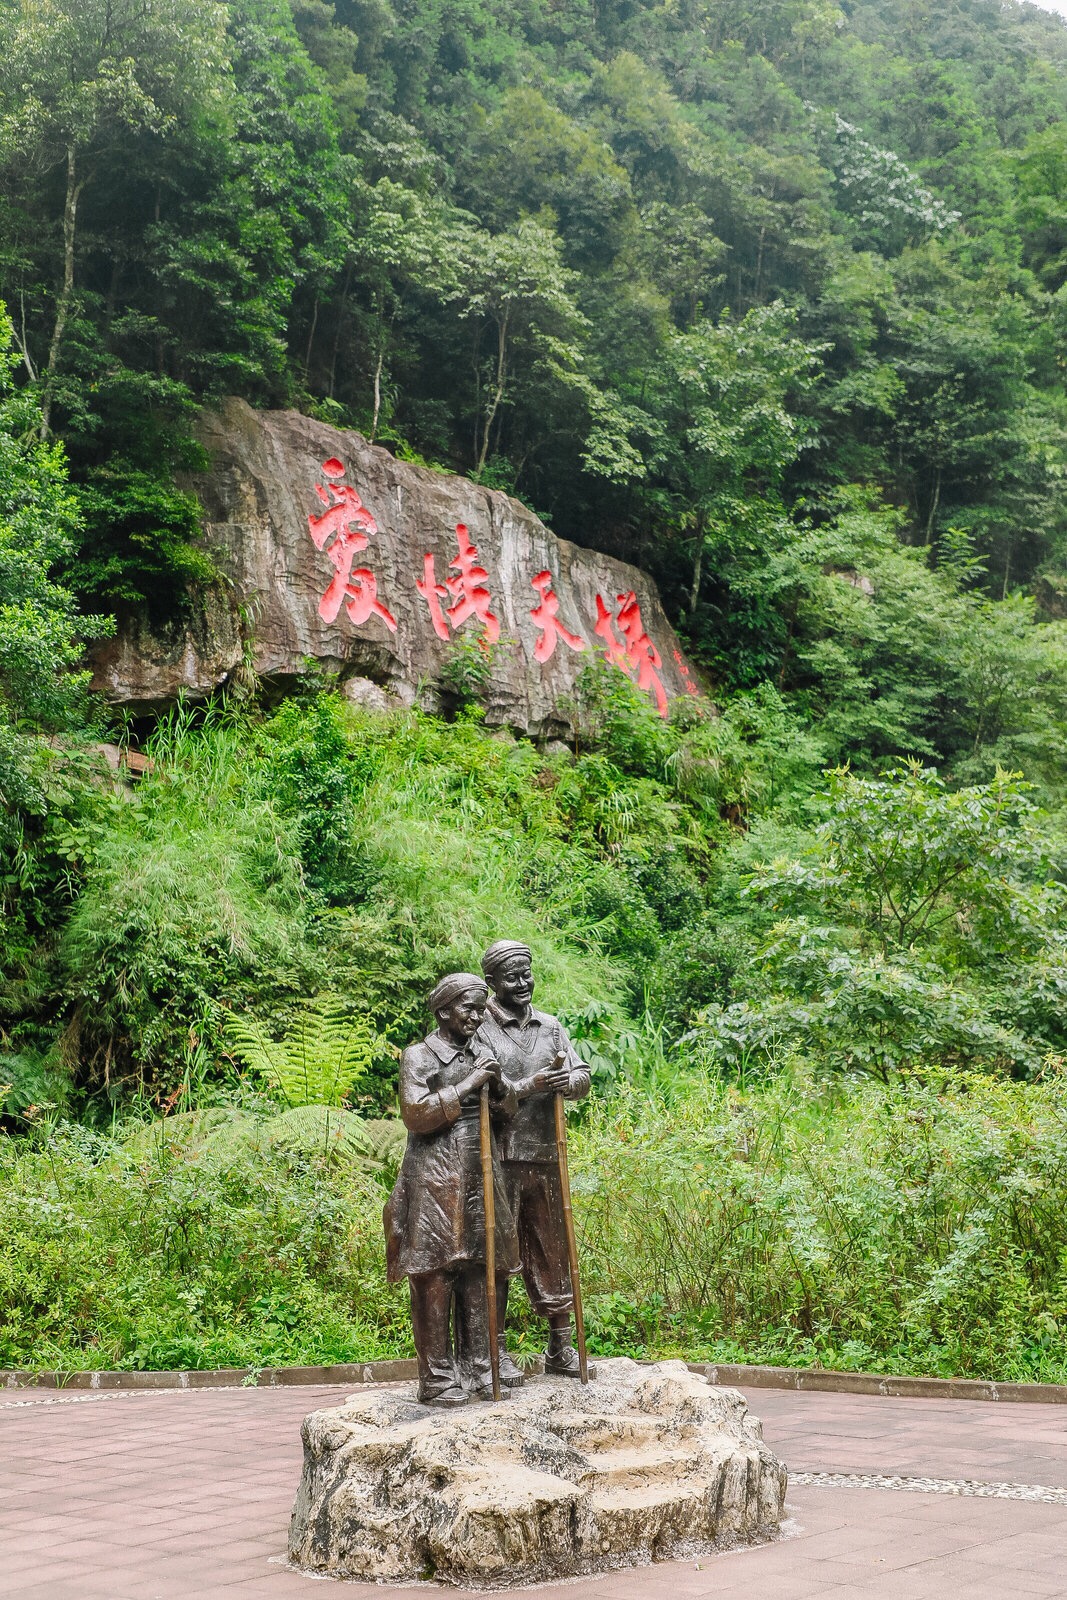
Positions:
(545, 615)
(635, 652)
(614, 649)
(342, 531)
(469, 590)
(687, 678)
(433, 593)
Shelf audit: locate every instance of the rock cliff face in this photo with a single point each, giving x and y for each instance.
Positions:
(394, 577)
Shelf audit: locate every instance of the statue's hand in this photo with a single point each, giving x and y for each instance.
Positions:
(551, 1080)
(487, 1071)
(499, 1087)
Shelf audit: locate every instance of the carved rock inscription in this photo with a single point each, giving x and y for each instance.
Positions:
(331, 550)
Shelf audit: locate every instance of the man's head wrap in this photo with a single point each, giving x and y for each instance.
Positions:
(451, 986)
(504, 950)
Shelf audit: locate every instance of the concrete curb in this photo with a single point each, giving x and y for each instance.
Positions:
(219, 1378)
(810, 1379)
(802, 1379)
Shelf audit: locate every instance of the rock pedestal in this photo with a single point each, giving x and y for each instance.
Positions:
(646, 1464)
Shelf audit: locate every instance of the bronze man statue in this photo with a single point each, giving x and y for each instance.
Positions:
(528, 1044)
(435, 1217)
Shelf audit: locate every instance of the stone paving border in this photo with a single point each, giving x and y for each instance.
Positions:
(800, 1379)
(971, 1487)
(218, 1378)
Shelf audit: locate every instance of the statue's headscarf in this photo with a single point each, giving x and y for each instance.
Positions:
(451, 986)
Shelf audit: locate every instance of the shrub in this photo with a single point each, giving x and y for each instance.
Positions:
(217, 1254)
(193, 895)
(903, 1228)
(923, 935)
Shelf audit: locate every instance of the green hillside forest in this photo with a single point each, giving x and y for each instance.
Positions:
(768, 298)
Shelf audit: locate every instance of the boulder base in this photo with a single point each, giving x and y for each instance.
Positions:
(646, 1464)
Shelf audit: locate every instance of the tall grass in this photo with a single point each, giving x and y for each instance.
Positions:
(909, 1228)
(261, 862)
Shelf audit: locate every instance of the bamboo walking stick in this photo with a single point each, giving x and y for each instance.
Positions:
(490, 1239)
(568, 1224)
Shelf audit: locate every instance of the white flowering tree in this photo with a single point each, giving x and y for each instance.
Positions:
(883, 195)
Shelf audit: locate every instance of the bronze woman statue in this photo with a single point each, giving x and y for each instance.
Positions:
(435, 1218)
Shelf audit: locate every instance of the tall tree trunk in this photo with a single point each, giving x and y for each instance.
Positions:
(311, 338)
(498, 390)
(378, 388)
(1007, 567)
(759, 265)
(70, 219)
(22, 342)
(698, 563)
(934, 503)
(337, 330)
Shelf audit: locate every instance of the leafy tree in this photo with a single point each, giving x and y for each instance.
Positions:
(1042, 203)
(517, 295)
(890, 206)
(40, 632)
(722, 426)
(403, 247)
(77, 79)
(531, 159)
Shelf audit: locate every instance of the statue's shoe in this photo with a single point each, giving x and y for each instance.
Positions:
(511, 1376)
(563, 1363)
(454, 1395)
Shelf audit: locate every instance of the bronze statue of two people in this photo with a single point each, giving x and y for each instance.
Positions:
(480, 1098)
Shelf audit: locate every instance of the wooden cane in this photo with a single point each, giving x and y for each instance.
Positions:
(490, 1239)
(572, 1240)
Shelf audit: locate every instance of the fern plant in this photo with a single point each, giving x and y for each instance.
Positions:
(319, 1061)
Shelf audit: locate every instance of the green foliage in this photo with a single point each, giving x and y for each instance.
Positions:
(199, 1253)
(890, 207)
(139, 545)
(319, 1062)
(904, 1229)
(889, 656)
(314, 776)
(41, 688)
(259, 854)
(305, 1133)
(719, 425)
(909, 1229)
(921, 937)
(467, 669)
(191, 895)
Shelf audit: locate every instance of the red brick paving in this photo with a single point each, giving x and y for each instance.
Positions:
(187, 1496)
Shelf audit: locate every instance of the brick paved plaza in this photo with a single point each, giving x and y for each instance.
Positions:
(186, 1496)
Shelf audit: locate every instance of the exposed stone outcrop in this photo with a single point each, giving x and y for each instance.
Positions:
(390, 627)
(646, 1464)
